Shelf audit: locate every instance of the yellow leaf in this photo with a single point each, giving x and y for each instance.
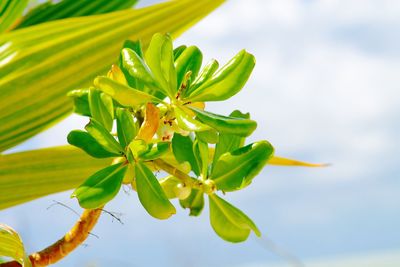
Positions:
(292, 162)
(117, 75)
(150, 124)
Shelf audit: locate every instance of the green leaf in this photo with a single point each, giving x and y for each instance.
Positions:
(10, 11)
(235, 170)
(151, 194)
(187, 123)
(89, 144)
(210, 136)
(126, 127)
(227, 81)
(168, 184)
(230, 142)
(178, 51)
(170, 159)
(136, 46)
(224, 124)
(11, 245)
(28, 175)
(204, 76)
(189, 60)
(81, 101)
(101, 187)
(101, 108)
(200, 149)
(182, 147)
(230, 223)
(155, 151)
(136, 147)
(103, 137)
(174, 188)
(160, 58)
(195, 202)
(40, 64)
(125, 95)
(137, 68)
(50, 11)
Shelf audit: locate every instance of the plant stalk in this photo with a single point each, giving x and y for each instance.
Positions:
(69, 242)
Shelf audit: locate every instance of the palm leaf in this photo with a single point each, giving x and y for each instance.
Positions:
(40, 64)
(32, 174)
(49, 11)
(10, 11)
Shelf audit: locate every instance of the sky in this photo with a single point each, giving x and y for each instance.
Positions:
(325, 89)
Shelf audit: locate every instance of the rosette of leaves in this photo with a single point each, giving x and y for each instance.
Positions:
(156, 101)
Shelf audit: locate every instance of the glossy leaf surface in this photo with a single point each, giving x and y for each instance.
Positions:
(81, 101)
(224, 124)
(103, 137)
(200, 149)
(137, 68)
(230, 142)
(189, 60)
(230, 223)
(101, 108)
(160, 58)
(227, 81)
(124, 94)
(126, 127)
(235, 170)
(155, 151)
(101, 187)
(205, 74)
(151, 194)
(178, 51)
(187, 122)
(182, 147)
(44, 172)
(89, 144)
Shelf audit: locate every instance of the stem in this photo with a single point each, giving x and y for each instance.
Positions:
(75, 237)
(186, 179)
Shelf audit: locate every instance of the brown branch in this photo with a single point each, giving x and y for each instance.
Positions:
(75, 237)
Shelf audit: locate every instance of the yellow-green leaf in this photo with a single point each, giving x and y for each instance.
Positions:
(100, 187)
(124, 94)
(230, 223)
(151, 195)
(292, 162)
(186, 122)
(49, 10)
(25, 176)
(10, 11)
(160, 58)
(11, 245)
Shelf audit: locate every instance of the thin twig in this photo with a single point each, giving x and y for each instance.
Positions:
(65, 206)
(114, 215)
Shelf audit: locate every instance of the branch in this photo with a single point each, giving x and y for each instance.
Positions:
(66, 244)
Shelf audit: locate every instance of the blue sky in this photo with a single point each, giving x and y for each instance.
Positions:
(325, 89)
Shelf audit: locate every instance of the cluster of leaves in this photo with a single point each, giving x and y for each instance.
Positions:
(155, 101)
